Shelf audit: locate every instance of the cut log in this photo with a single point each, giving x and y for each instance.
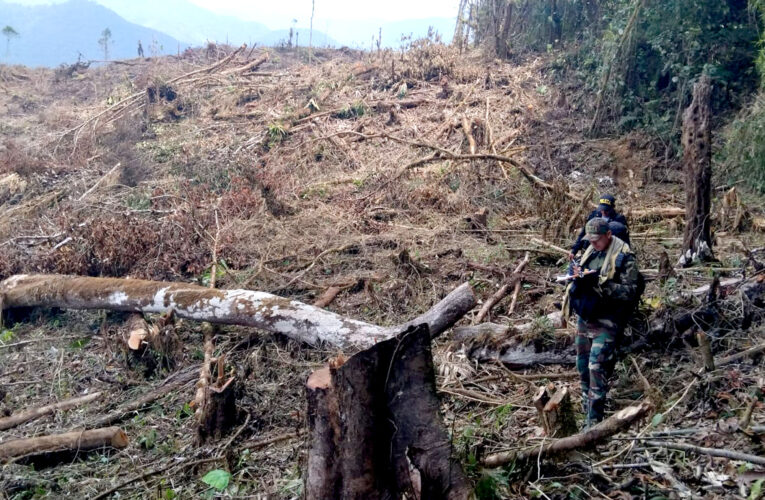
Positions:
(522, 356)
(375, 429)
(488, 342)
(75, 441)
(595, 434)
(262, 310)
(463, 333)
(35, 413)
(556, 414)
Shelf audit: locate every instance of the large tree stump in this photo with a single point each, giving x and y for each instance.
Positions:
(375, 428)
(697, 161)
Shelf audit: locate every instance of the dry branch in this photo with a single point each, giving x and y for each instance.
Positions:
(514, 282)
(741, 355)
(262, 310)
(327, 297)
(25, 416)
(172, 383)
(713, 452)
(75, 441)
(248, 67)
(596, 434)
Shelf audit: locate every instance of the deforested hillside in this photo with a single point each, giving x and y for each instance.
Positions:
(372, 185)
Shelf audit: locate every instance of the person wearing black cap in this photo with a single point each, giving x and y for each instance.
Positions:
(607, 210)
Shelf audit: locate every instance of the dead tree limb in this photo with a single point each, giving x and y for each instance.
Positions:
(375, 428)
(467, 126)
(596, 434)
(502, 292)
(75, 441)
(327, 297)
(741, 355)
(713, 452)
(251, 66)
(706, 351)
(262, 310)
(35, 413)
(172, 383)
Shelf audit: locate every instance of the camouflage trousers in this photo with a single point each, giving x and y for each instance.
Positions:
(595, 351)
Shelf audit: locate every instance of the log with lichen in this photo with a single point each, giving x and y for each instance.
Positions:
(272, 313)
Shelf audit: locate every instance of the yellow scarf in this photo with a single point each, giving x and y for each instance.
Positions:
(607, 271)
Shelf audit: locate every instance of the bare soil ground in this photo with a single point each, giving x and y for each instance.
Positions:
(322, 175)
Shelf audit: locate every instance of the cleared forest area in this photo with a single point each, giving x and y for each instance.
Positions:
(371, 185)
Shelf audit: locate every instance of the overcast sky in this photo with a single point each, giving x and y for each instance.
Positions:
(278, 14)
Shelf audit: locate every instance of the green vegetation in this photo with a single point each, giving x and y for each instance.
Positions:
(639, 60)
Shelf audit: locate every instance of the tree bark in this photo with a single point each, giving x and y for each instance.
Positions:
(262, 310)
(375, 428)
(75, 441)
(35, 413)
(697, 161)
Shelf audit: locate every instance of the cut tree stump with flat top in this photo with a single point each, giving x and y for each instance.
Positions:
(375, 430)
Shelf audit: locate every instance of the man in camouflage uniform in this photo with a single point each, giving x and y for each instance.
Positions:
(603, 293)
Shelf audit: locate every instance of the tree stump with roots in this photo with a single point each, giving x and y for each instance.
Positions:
(375, 428)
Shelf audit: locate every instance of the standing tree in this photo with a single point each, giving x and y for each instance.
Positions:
(8, 33)
(310, 33)
(697, 161)
(104, 41)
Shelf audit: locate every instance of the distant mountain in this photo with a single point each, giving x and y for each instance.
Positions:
(53, 34)
(188, 22)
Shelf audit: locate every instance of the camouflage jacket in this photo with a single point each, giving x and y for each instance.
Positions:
(610, 302)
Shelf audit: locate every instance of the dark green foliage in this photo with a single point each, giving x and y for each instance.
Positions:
(650, 82)
(743, 156)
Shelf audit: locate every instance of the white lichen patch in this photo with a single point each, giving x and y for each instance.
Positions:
(118, 298)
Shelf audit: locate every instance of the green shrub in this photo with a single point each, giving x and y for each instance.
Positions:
(743, 155)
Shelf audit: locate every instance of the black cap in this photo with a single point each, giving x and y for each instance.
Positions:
(606, 202)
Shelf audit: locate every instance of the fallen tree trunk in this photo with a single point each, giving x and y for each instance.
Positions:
(595, 434)
(262, 310)
(375, 429)
(75, 441)
(489, 342)
(35, 413)
(656, 213)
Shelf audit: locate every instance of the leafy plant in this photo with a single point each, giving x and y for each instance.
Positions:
(276, 134)
(217, 479)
